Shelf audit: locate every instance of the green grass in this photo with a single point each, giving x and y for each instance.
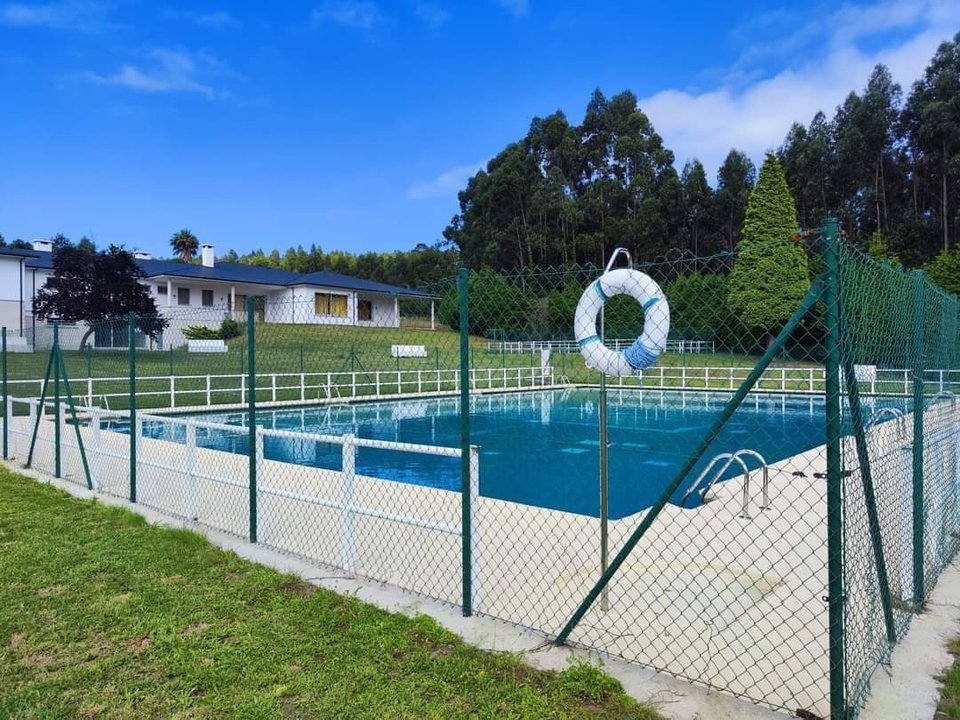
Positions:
(105, 616)
(287, 348)
(949, 706)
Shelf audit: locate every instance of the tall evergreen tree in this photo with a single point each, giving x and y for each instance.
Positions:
(735, 180)
(769, 277)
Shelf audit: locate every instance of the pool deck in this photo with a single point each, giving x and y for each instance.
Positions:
(729, 602)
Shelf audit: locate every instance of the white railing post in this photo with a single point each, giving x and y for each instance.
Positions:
(93, 454)
(303, 388)
(191, 462)
(273, 387)
(138, 433)
(243, 389)
(475, 560)
(419, 381)
(32, 415)
(261, 481)
(377, 376)
(348, 500)
(208, 389)
(353, 384)
(173, 391)
(89, 392)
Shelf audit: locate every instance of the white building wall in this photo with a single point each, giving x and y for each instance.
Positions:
(384, 312)
(296, 305)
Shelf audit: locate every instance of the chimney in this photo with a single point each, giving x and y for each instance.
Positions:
(206, 255)
(142, 255)
(42, 245)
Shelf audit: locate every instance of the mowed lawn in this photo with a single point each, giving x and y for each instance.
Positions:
(105, 616)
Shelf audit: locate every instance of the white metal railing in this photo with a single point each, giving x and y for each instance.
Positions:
(211, 389)
(571, 346)
(782, 380)
(195, 471)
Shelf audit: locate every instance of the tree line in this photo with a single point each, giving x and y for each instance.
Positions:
(564, 193)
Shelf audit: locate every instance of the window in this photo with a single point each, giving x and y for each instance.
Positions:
(207, 298)
(183, 296)
(364, 310)
(330, 304)
(161, 289)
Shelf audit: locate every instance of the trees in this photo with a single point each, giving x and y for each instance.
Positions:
(93, 287)
(735, 180)
(185, 245)
(944, 270)
(770, 274)
(932, 123)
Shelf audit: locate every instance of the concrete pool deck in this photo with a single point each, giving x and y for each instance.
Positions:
(726, 602)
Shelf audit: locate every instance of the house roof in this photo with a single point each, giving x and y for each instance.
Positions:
(251, 274)
(18, 252)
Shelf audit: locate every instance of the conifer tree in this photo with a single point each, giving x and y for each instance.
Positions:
(770, 274)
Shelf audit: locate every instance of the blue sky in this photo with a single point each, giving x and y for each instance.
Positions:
(353, 123)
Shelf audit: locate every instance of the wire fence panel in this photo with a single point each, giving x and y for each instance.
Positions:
(742, 470)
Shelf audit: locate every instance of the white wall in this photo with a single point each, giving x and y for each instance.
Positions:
(296, 305)
(384, 311)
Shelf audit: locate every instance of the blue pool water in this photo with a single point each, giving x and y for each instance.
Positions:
(539, 448)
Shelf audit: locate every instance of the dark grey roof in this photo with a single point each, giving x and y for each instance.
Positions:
(327, 278)
(254, 274)
(18, 252)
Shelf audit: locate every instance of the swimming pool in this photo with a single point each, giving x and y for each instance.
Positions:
(537, 447)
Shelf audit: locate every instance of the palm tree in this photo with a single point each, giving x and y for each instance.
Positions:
(185, 244)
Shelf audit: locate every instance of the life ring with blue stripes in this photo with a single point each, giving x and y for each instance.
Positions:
(656, 322)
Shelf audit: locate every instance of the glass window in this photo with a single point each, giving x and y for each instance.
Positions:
(330, 304)
(183, 296)
(161, 289)
(364, 310)
(207, 298)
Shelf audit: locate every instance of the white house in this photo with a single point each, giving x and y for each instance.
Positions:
(206, 293)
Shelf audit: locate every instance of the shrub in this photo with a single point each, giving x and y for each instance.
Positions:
(229, 328)
(199, 332)
(494, 304)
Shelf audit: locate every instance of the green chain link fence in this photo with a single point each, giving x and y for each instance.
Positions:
(760, 510)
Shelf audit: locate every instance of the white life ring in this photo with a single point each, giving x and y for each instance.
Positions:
(656, 322)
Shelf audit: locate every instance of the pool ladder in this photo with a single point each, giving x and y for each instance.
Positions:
(730, 458)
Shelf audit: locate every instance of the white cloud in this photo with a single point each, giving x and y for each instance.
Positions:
(356, 14)
(756, 117)
(84, 15)
(433, 15)
(168, 71)
(517, 8)
(447, 183)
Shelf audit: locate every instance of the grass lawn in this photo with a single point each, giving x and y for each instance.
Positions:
(287, 348)
(949, 706)
(105, 616)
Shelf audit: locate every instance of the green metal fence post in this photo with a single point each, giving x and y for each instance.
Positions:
(811, 299)
(919, 362)
(835, 599)
(56, 400)
(76, 421)
(466, 529)
(132, 403)
(40, 408)
(252, 416)
(6, 399)
(869, 493)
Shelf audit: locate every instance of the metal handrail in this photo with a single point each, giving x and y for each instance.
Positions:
(730, 459)
(876, 417)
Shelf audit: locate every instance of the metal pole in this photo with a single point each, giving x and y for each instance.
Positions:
(604, 475)
(919, 362)
(56, 400)
(6, 399)
(811, 298)
(76, 421)
(465, 515)
(835, 599)
(252, 417)
(870, 497)
(132, 356)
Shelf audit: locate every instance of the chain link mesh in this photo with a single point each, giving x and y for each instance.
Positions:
(709, 475)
